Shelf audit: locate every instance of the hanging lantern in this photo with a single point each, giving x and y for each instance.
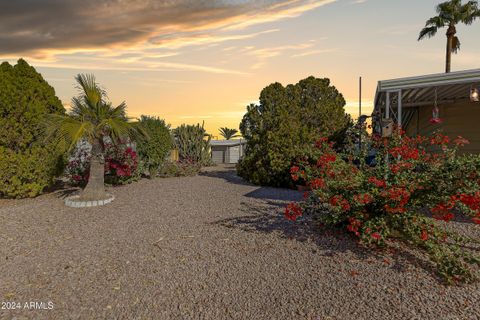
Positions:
(474, 95)
(435, 119)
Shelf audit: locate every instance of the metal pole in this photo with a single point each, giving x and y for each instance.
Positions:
(387, 107)
(360, 114)
(360, 98)
(400, 109)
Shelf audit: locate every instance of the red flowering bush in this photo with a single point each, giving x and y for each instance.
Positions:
(390, 199)
(121, 165)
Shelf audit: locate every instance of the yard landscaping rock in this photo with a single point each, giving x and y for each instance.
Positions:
(206, 247)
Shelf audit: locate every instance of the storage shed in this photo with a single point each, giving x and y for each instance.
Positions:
(227, 151)
(424, 104)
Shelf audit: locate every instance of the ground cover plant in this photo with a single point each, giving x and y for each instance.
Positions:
(415, 187)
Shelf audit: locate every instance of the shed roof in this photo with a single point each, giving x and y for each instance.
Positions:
(229, 143)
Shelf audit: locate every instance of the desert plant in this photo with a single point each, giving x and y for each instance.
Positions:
(385, 203)
(93, 119)
(28, 163)
(450, 13)
(154, 152)
(285, 122)
(228, 133)
(193, 144)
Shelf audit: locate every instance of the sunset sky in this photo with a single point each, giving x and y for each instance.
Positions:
(189, 61)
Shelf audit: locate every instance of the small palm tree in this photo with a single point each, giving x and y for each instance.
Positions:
(450, 13)
(228, 133)
(93, 119)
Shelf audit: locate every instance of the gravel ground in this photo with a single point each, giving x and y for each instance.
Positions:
(205, 247)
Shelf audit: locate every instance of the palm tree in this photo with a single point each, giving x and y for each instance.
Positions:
(92, 119)
(450, 13)
(228, 133)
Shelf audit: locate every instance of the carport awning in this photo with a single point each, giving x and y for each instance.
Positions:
(423, 91)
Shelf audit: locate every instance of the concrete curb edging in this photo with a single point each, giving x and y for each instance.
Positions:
(74, 202)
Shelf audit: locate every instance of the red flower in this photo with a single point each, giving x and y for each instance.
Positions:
(294, 169)
(379, 183)
(442, 212)
(364, 198)
(325, 159)
(376, 236)
(293, 211)
(354, 225)
(338, 200)
(424, 235)
(319, 143)
(317, 183)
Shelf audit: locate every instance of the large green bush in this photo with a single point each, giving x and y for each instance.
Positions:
(27, 163)
(155, 150)
(286, 122)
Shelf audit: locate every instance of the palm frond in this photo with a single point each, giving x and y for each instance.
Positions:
(89, 89)
(455, 44)
(66, 130)
(469, 12)
(427, 32)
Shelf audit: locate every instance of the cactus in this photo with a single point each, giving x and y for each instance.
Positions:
(193, 144)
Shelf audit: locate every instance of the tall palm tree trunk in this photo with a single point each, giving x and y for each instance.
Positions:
(95, 189)
(450, 34)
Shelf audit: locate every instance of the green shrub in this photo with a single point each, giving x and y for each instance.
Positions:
(26, 174)
(28, 164)
(286, 122)
(154, 151)
(193, 144)
(178, 169)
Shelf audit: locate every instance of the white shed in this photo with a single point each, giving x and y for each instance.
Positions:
(227, 151)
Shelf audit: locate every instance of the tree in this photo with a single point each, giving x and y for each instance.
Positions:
(94, 119)
(28, 163)
(155, 150)
(450, 13)
(284, 124)
(228, 133)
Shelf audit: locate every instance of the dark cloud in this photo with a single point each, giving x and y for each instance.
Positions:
(36, 26)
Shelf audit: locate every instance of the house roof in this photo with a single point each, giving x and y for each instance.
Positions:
(229, 143)
(421, 90)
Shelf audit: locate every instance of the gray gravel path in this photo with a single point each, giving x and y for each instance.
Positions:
(205, 247)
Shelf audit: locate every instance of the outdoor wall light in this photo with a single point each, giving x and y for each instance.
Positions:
(474, 95)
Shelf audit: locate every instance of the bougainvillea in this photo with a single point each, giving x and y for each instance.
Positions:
(121, 165)
(414, 187)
